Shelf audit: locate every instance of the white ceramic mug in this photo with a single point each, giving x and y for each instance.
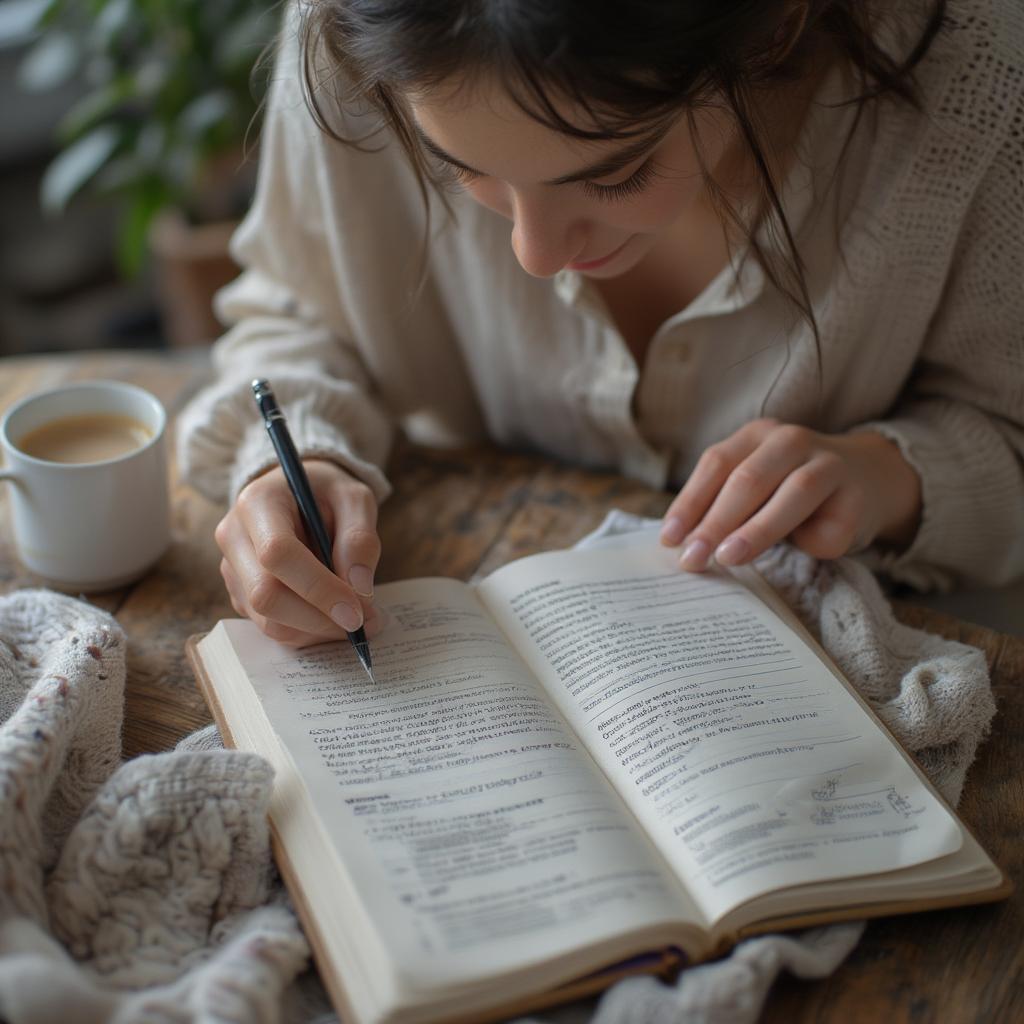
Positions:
(88, 526)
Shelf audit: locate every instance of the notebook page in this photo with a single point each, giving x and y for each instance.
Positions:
(480, 834)
(749, 764)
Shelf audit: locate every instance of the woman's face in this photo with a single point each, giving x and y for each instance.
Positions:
(595, 207)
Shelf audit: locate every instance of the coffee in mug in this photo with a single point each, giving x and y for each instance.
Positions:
(89, 501)
(92, 438)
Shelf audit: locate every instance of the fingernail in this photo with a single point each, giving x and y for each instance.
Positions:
(672, 531)
(695, 555)
(732, 551)
(347, 617)
(361, 579)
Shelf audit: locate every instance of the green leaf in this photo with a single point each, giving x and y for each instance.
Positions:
(165, 84)
(50, 63)
(73, 168)
(50, 11)
(134, 231)
(95, 107)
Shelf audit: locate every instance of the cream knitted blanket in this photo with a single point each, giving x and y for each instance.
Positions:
(132, 893)
(144, 891)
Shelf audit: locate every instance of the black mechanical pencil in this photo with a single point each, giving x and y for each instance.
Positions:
(295, 474)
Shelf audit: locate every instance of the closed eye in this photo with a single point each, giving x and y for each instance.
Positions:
(634, 185)
(456, 175)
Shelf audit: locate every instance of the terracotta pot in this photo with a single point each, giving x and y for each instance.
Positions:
(191, 262)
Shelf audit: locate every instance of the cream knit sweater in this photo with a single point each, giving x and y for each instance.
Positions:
(915, 260)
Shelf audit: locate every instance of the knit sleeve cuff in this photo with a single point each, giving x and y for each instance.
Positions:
(314, 438)
(222, 443)
(972, 497)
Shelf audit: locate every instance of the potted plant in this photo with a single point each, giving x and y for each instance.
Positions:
(168, 102)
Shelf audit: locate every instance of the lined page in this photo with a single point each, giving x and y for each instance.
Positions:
(481, 837)
(747, 761)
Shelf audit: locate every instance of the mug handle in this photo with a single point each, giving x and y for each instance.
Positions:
(9, 474)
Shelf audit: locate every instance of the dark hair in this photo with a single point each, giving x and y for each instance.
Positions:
(627, 64)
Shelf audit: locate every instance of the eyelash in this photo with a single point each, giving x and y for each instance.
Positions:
(450, 176)
(634, 185)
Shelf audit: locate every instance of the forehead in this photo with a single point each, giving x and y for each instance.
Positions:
(481, 125)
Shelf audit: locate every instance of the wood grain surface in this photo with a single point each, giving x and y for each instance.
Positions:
(463, 513)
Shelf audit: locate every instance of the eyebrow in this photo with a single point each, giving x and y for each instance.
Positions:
(600, 169)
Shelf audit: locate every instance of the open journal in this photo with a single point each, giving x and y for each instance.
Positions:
(589, 764)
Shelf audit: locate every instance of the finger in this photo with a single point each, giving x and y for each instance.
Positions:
(356, 544)
(282, 556)
(275, 630)
(748, 487)
(233, 588)
(703, 484)
(292, 621)
(835, 529)
(799, 497)
(264, 594)
(291, 637)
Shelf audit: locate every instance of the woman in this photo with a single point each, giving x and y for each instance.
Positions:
(768, 253)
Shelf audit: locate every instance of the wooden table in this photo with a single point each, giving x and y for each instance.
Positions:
(459, 513)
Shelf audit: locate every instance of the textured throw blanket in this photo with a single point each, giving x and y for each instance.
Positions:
(144, 891)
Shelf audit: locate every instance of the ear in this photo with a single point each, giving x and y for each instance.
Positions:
(790, 29)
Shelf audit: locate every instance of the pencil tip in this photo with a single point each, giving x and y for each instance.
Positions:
(363, 650)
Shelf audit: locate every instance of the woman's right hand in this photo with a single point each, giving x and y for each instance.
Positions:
(276, 580)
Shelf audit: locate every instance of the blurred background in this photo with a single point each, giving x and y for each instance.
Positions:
(127, 155)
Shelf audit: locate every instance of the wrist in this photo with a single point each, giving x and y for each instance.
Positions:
(898, 489)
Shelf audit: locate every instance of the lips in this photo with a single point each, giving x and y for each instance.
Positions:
(594, 264)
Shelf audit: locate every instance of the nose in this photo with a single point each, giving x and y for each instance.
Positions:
(544, 239)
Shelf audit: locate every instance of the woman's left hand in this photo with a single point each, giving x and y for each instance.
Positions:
(828, 493)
